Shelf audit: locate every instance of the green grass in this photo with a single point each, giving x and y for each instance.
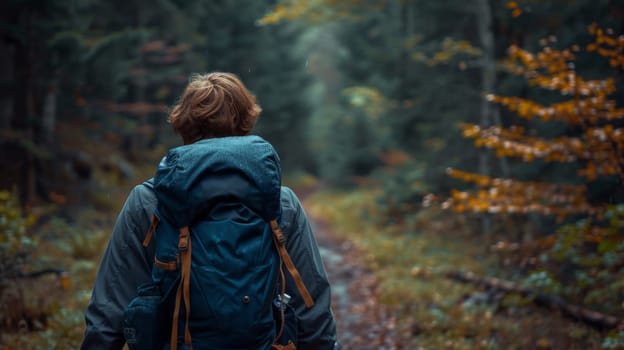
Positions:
(409, 260)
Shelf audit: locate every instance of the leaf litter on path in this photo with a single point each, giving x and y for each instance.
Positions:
(362, 323)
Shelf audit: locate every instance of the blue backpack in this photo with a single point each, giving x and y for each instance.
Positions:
(218, 277)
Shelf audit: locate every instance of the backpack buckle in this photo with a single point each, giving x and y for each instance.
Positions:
(184, 238)
(183, 244)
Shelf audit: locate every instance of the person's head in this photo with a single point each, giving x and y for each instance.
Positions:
(214, 105)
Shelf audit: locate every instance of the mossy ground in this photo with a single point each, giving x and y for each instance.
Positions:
(433, 311)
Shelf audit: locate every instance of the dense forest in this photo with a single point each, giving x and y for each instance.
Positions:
(493, 123)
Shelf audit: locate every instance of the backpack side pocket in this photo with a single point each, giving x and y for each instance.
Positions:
(291, 323)
(144, 324)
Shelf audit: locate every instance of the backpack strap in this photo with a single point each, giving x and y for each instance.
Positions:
(155, 219)
(150, 231)
(183, 292)
(280, 243)
(289, 346)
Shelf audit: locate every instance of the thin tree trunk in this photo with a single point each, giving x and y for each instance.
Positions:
(28, 66)
(30, 165)
(7, 74)
(488, 65)
(504, 165)
(488, 81)
(48, 123)
(403, 66)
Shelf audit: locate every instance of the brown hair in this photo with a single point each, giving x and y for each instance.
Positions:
(214, 105)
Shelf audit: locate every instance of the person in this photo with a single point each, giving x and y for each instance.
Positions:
(212, 105)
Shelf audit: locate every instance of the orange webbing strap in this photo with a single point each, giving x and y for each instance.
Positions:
(176, 317)
(184, 245)
(167, 266)
(150, 231)
(279, 239)
(289, 346)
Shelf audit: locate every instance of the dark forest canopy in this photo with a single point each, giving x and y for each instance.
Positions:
(345, 86)
(76, 73)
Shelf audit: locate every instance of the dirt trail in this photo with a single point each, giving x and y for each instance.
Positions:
(362, 323)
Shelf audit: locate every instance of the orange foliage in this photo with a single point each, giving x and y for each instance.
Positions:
(319, 11)
(449, 49)
(394, 157)
(600, 145)
(516, 11)
(592, 241)
(608, 45)
(500, 195)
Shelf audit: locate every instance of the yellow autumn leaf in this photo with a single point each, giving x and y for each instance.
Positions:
(512, 5)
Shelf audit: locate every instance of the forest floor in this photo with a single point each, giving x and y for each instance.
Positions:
(388, 285)
(362, 322)
(390, 289)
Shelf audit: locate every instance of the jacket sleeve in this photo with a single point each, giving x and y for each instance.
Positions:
(317, 327)
(125, 265)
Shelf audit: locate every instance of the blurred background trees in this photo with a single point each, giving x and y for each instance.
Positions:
(107, 72)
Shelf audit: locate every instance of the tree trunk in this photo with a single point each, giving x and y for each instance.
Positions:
(406, 30)
(7, 72)
(22, 118)
(48, 123)
(488, 66)
(488, 81)
(30, 175)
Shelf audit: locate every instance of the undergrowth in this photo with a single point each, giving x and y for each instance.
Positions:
(47, 311)
(435, 312)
